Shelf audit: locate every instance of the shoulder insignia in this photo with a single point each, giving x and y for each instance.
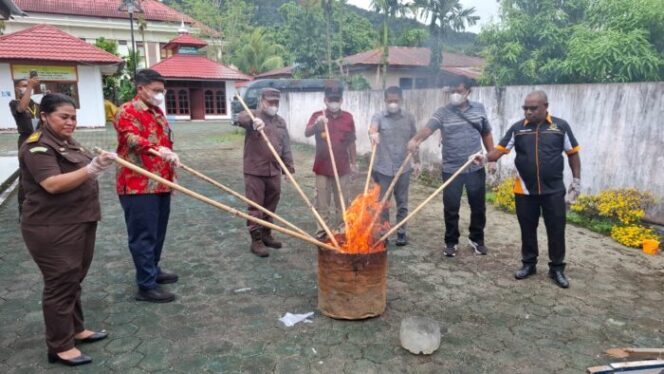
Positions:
(38, 150)
(34, 137)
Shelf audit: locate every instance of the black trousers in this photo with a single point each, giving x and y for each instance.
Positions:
(63, 254)
(552, 207)
(475, 184)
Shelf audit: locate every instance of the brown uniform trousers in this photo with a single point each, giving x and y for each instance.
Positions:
(265, 191)
(63, 254)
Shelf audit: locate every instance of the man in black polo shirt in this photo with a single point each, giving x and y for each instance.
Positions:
(539, 141)
(26, 114)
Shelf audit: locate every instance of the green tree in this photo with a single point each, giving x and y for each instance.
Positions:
(413, 38)
(443, 17)
(575, 41)
(259, 53)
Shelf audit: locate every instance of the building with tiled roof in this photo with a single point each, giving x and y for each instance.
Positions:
(197, 87)
(92, 19)
(409, 67)
(64, 63)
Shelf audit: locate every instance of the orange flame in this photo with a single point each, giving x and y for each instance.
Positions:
(359, 239)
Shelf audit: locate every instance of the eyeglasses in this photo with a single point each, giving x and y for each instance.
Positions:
(531, 108)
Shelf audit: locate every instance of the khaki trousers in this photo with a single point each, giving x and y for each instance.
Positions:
(326, 192)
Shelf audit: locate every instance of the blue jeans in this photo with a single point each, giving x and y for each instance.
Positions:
(146, 217)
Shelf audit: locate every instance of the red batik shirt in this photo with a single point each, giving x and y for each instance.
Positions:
(142, 127)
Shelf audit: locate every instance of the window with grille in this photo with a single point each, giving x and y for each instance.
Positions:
(183, 101)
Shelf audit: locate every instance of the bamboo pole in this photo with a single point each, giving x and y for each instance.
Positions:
(216, 204)
(426, 201)
(389, 190)
(319, 219)
(237, 195)
(374, 147)
(342, 201)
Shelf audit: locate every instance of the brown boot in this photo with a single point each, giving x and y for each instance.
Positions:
(257, 246)
(269, 240)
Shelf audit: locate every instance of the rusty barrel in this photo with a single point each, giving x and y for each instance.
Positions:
(351, 286)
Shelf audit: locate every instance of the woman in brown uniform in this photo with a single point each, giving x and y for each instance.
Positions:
(60, 215)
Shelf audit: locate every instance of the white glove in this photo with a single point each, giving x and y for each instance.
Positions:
(573, 191)
(169, 156)
(258, 124)
(375, 138)
(100, 163)
(478, 159)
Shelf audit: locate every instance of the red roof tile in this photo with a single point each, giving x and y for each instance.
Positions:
(418, 57)
(153, 10)
(197, 67)
(48, 43)
(186, 40)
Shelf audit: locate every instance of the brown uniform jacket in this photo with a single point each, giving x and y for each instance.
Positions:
(45, 155)
(258, 160)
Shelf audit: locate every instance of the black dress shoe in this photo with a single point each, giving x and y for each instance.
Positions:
(559, 278)
(526, 271)
(80, 360)
(166, 278)
(401, 240)
(155, 295)
(97, 336)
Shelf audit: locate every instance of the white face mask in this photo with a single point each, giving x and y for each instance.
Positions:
(393, 107)
(271, 110)
(157, 99)
(22, 90)
(457, 99)
(333, 106)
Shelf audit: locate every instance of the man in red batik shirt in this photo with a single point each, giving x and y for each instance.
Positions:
(142, 127)
(342, 136)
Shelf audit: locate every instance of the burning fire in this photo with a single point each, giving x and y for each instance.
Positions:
(359, 237)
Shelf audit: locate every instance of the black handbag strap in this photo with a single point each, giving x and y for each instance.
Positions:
(477, 126)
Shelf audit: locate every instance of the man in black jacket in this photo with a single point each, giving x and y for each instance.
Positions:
(539, 141)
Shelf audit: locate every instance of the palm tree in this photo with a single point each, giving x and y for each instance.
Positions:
(258, 53)
(442, 17)
(389, 9)
(142, 26)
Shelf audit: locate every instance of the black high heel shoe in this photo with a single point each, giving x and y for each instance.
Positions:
(76, 361)
(97, 336)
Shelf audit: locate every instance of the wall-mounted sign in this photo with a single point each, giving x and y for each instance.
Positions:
(188, 50)
(46, 73)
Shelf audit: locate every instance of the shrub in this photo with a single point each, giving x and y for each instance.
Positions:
(626, 205)
(632, 235)
(504, 195)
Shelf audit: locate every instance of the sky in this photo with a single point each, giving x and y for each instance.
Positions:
(486, 9)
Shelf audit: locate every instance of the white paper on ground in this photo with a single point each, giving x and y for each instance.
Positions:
(290, 319)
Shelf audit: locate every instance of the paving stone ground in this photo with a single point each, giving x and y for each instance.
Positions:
(491, 322)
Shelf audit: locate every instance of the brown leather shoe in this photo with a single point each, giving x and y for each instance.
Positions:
(257, 246)
(269, 240)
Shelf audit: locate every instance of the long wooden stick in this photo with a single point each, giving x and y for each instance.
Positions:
(216, 204)
(238, 196)
(425, 202)
(388, 192)
(374, 147)
(319, 219)
(336, 174)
